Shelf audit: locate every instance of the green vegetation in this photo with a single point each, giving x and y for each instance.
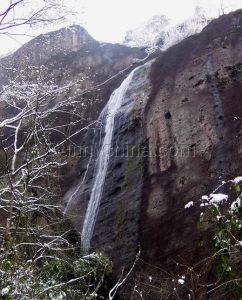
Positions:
(225, 217)
(49, 264)
(220, 225)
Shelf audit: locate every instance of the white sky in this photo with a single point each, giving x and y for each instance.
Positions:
(109, 20)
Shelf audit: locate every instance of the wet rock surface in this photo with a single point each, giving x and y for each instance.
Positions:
(70, 56)
(192, 127)
(188, 121)
(181, 123)
(119, 212)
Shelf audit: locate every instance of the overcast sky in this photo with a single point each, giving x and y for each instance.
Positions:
(109, 20)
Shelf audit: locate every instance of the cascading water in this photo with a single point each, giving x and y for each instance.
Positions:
(110, 110)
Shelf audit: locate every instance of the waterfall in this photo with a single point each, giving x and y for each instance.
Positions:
(110, 110)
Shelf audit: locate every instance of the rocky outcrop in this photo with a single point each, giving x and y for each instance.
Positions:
(192, 125)
(70, 56)
(185, 118)
(117, 225)
(175, 138)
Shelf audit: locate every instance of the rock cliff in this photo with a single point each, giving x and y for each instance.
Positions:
(72, 56)
(181, 139)
(176, 136)
(192, 128)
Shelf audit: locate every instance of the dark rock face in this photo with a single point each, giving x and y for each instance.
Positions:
(192, 128)
(177, 136)
(117, 225)
(72, 56)
(187, 120)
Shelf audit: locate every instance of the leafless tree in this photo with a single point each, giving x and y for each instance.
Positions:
(222, 8)
(39, 119)
(17, 15)
(37, 122)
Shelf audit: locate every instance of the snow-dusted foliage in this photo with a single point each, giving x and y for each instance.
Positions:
(149, 34)
(54, 277)
(214, 200)
(158, 32)
(222, 214)
(40, 256)
(189, 204)
(179, 32)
